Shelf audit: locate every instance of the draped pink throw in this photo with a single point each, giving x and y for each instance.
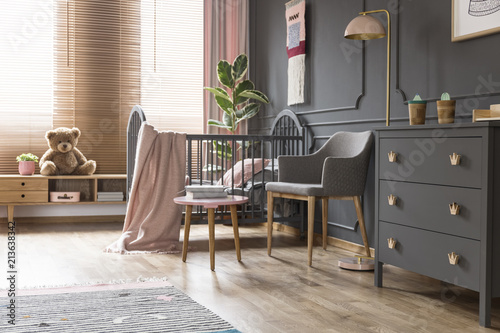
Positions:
(153, 220)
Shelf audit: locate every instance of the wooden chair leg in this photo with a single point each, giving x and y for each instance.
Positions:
(324, 206)
(310, 227)
(361, 219)
(270, 214)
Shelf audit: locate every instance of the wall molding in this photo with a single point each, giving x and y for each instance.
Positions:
(400, 90)
(356, 103)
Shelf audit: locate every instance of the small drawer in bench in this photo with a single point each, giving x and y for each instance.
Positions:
(24, 184)
(23, 196)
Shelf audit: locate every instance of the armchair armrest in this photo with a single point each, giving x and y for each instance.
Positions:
(345, 176)
(300, 169)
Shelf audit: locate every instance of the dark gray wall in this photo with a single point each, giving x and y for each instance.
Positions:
(346, 80)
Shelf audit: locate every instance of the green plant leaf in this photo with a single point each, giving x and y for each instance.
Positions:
(240, 87)
(238, 113)
(216, 123)
(255, 94)
(249, 111)
(227, 119)
(224, 69)
(240, 66)
(224, 104)
(219, 92)
(27, 157)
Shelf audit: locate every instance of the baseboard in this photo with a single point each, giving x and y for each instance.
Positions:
(67, 219)
(337, 242)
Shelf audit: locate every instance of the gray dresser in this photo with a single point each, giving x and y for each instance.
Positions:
(438, 205)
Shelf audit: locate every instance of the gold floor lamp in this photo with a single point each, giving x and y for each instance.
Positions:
(365, 27)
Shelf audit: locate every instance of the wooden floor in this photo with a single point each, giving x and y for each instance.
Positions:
(259, 294)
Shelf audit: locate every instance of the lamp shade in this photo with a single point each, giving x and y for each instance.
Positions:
(364, 27)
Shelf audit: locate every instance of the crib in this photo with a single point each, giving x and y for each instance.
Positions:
(242, 163)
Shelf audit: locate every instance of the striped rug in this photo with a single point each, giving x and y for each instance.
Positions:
(138, 307)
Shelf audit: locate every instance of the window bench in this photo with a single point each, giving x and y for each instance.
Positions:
(17, 190)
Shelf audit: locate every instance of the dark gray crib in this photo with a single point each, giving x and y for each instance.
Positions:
(213, 157)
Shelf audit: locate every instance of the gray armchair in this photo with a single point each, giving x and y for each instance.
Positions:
(336, 171)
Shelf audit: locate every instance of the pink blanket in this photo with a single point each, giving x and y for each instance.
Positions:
(153, 220)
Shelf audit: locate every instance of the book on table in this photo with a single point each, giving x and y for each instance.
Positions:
(205, 188)
(205, 195)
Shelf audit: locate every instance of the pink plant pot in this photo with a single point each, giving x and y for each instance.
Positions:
(26, 168)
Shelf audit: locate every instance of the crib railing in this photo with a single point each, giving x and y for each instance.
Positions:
(212, 157)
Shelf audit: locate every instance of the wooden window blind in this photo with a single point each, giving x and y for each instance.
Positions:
(97, 75)
(172, 64)
(85, 63)
(26, 69)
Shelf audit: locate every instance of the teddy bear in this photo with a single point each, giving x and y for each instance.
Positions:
(63, 158)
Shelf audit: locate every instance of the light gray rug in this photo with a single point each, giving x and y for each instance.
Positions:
(157, 309)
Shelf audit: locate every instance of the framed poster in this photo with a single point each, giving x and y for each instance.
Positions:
(474, 18)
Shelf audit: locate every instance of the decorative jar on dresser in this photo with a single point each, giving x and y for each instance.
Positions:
(437, 206)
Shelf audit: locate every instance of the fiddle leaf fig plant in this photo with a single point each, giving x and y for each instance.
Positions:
(235, 103)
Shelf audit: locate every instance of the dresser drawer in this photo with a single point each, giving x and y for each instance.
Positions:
(426, 252)
(24, 184)
(427, 161)
(23, 196)
(428, 207)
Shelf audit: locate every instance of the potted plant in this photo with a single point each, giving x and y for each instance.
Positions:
(417, 108)
(27, 164)
(446, 109)
(235, 103)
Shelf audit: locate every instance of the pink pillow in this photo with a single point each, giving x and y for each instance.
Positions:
(238, 175)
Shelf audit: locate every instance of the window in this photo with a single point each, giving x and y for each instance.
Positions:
(172, 64)
(26, 81)
(86, 63)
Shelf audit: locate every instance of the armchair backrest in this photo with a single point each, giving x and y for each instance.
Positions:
(347, 144)
(355, 150)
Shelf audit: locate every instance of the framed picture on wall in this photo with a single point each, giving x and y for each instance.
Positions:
(474, 18)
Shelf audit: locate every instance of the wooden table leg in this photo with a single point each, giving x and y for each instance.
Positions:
(187, 226)
(234, 220)
(211, 237)
(10, 213)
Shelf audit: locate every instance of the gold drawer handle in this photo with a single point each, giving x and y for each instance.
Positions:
(392, 156)
(391, 242)
(453, 258)
(455, 159)
(454, 208)
(393, 200)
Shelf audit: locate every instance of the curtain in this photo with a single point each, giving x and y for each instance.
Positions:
(226, 36)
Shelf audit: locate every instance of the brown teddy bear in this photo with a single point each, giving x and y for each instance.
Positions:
(63, 158)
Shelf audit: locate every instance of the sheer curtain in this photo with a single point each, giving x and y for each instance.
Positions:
(226, 36)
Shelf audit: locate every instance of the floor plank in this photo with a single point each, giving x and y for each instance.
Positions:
(260, 293)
